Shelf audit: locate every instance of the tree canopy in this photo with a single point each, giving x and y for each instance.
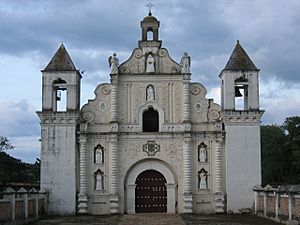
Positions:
(281, 152)
(5, 144)
(14, 170)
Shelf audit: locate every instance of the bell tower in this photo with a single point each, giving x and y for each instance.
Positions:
(59, 124)
(241, 121)
(239, 89)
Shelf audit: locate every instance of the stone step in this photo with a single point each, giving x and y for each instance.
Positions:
(151, 219)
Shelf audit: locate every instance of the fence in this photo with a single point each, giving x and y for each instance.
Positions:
(281, 204)
(22, 206)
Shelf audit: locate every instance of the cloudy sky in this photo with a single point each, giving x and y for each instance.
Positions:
(31, 32)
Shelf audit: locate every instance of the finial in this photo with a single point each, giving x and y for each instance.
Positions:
(237, 41)
(149, 5)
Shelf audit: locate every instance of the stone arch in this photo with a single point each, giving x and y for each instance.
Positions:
(157, 108)
(141, 166)
(59, 93)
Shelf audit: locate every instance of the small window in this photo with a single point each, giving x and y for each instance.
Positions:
(150, 120)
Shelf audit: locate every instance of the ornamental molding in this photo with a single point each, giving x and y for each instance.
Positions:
(151, 148)
(238, 116)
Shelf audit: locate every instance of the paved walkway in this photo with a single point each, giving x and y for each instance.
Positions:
(156, 219)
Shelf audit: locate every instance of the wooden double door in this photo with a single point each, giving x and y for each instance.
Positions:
(150, 193)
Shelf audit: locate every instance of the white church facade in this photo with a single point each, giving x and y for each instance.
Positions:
(150, 140)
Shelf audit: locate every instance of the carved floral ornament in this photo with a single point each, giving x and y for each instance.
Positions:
(151, 148)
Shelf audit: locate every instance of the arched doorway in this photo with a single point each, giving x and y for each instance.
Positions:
(150, 192)
(138, 169)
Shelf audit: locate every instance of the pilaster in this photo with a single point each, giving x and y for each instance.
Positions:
(219, 194)
(114, 84)
(187, 174)
(113, 175)
(186, 97)
(82, 196)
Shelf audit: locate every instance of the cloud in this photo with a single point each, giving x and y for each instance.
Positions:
(26, 148)
(278, 101)
(18, 119)
(31, 32)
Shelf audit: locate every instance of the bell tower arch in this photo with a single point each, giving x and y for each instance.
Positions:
(150, 24)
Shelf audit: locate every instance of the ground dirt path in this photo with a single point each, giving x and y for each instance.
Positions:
(155, 219)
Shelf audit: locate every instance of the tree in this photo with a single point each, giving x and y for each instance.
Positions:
(273, 153)
(14, 170)
(292, 127)
(281, 152)
(5, 144)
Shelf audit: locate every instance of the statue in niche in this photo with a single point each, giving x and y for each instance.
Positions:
(150, 64)
(202, 153)
(113, 63)
(150, 93)
(202, 179)
(99, 155)
(185, 63)
(99, 181)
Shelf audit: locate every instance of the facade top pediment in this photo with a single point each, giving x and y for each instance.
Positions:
(162, 62)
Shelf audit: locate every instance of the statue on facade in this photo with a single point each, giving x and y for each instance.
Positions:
(150, 93)
(98, 155)
(202, 179)
(185, 63)
(150, 64)
(99, 181)
(202, 153)
(113, 63)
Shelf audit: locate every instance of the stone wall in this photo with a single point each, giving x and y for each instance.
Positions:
(281, 204)
(22, 206)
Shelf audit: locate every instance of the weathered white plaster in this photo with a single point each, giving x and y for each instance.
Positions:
(243, 169)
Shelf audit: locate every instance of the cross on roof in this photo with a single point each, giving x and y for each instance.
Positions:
(149, 5)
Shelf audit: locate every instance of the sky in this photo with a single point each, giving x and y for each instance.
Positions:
(91, 30)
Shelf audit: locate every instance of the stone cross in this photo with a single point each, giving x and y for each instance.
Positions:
(149, 5)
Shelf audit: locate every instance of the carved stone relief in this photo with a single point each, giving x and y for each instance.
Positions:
(151, 148)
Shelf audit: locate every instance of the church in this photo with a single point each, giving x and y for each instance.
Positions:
(150, 141)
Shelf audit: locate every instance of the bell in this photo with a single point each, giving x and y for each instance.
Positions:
(237, 92)
(58, 95)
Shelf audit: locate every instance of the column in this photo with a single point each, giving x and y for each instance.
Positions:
(114, 83)
(82, 197)
(265, 203)
(219, 195)
(186, 98)
(277, 195)
(187, 173)
(9, 193)
(255, 201)
(23, 193)
(290, 200)
(113, 175)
